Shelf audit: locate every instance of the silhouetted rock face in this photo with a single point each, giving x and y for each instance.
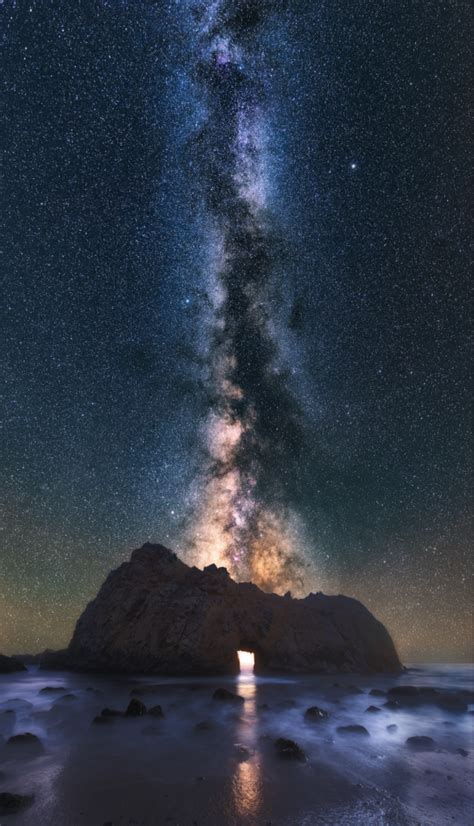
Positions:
(10, 664)
(156, 615)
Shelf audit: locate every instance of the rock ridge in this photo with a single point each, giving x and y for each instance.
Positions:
(156, 615)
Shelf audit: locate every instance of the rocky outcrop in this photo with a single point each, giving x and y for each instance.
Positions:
(8, 665)
(156, 615)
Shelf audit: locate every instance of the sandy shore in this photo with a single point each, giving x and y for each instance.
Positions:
(214, 763)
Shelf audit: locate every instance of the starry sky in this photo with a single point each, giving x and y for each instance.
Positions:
(235, 267)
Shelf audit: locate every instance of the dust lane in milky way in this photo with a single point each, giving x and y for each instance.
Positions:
(242, 515)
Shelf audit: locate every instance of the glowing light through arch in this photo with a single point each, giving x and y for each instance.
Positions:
(246, 661)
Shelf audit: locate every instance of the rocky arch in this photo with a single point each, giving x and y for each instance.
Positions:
(156, 615)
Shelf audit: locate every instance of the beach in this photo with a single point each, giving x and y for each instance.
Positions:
(214, 762)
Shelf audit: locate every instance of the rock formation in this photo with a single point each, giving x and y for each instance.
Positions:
(8, 665)
(156, 615)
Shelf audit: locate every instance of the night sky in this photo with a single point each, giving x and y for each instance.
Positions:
(235, 266)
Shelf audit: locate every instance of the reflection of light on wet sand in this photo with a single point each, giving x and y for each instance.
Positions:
(247, 780)
(247, 787)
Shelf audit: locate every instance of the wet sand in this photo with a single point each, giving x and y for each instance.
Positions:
(211, 763)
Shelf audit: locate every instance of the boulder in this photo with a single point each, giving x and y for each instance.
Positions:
(156, 711)
(353, 729)
(135, 708)
(25, 743)
(226, 696)
(315, 714)
(66, 698)
(289, 749)
(451, 702)
(426, 695)
(52, 689)
(157, 615)
(26, 739)
(404, 692)
(421, 743)
(12, 803)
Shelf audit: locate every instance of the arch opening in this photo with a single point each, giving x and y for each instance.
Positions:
(246, 661)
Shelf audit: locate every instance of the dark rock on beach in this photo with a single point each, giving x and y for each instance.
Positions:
(315, 714)
(421, 743)
(66, 698)
(377, 692)
(156, 711)
(373, 709)
(451, 702)
(100, 720)
(12, 803)
(455, 701)
(226, 696)
(23, 739)
(25, 743)
(404, 692)
(289, 749)
(135, 708)
(156, 615)
(52, 689)
(353, 729)
(391, 705)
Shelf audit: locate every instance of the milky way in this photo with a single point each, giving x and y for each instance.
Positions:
(244, 514)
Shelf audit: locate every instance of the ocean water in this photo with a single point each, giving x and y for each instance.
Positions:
(211, 763)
